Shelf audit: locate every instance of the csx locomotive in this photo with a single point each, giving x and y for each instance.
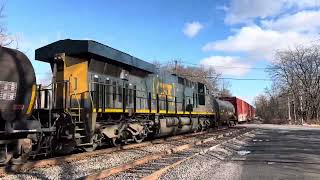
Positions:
(98, 96)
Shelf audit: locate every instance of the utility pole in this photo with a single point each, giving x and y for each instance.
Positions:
(289, 112)
(222, 87)
(294, 112)
(175, 66)
(301, 109)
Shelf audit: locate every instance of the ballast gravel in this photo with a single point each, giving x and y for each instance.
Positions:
(81, 168)
(211, 165)
(88, 166)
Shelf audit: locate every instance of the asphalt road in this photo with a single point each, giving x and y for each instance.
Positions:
(277, 152)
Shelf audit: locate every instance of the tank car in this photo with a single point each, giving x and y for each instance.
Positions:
(17, 96)
(225, 111)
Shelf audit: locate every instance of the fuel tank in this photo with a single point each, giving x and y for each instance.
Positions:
(17, 90)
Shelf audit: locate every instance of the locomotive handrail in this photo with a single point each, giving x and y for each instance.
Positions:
(91, 100)
(174, 102)
(78, 102)
(138, 90)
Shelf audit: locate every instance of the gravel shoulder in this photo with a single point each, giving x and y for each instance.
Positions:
(213, 164)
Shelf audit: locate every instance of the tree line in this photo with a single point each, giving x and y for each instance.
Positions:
(202, 74)
(294, 96)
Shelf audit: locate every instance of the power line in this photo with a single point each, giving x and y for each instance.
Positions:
(236, 79)
(225, 78)
(230, 67)
(223, 67)
(246, 79)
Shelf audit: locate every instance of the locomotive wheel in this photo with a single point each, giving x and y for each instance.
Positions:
(124, 138)
(116, 142)
(90, 148)
(199, 129)
(94, 146)
(138, 138)
(20, 159)
(8, 158)
(64, 146)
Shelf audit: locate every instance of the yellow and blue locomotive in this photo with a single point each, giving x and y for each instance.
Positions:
(100, 95)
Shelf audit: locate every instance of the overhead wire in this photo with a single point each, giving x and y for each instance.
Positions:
(228, 67)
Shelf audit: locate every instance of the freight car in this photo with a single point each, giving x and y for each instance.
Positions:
(98, 96)
(243, 110)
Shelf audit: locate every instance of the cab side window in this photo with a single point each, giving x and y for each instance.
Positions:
(201, 94)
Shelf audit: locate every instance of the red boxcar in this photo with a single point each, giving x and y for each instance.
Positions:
(252, 112)
(244, 111)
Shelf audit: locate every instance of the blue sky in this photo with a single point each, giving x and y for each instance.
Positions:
(241, 34)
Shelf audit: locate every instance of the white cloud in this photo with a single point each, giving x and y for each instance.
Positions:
(258, 42)
(273, 28)
(262, 27)
(192, 29)
(301, 4)
(303, 22)
(242, 11)
(227, 65)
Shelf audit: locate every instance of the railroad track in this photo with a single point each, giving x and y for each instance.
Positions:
(55, 161)
(155, 165)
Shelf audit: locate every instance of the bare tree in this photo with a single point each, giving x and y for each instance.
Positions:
(157, 64)
(205, 75)
(225, 90)
(5, 38)
(296, 72)
(272, 106)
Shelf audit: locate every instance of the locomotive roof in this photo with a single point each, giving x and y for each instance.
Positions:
(91, 48)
